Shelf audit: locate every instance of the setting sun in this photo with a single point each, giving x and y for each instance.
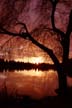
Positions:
(35, 60)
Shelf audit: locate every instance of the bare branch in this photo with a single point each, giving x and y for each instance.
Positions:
(23, 26)
(24, 35)
(6, 42)
(69, 28)
(62, 34)
(54, 2)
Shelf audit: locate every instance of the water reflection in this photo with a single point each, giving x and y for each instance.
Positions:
(31, 72)
(34, 83)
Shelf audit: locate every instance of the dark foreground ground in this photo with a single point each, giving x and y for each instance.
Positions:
(27, 102)
(18, 101)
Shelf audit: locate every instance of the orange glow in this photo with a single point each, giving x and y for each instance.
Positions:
(35, 60)
(31, 72)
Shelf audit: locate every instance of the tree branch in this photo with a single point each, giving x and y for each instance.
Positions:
(6, 42)
(69, 28)
(27, 35)
(62, 34)
(66, 41)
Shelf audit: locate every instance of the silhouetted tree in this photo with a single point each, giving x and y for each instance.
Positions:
(65, 42)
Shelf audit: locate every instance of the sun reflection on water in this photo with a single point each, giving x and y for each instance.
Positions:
(31, 72)
(34, 82)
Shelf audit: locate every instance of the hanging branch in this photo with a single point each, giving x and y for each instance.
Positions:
(6, 42)
(27, 35)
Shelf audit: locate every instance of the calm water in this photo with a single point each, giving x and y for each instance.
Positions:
(32, 82)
